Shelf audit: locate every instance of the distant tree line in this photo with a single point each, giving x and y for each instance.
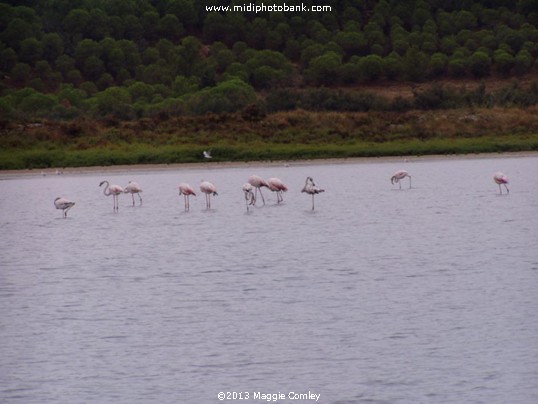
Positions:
(131, 58)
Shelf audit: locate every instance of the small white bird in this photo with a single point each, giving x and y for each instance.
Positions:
(133, 188)
(501, 179)
(249, 195)
(208, 189)
(398, 176)
(186, 190)
(207, 154)
(311, 189)
(63, 204)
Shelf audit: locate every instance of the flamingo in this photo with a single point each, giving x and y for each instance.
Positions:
(311, 189)
(249, 195)
(501, 179)
(400, 175)
(258, 183)
(113, 190)
(276, 185)
(186, 190)
(133, 188)
(208, 189)
(63, 204)
(207, 154)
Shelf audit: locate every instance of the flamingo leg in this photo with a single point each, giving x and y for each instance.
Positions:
(263, 199)
(139, 197)
(409, 182)
(67, 210)
(312, 201)
(507, 190)
(132, 195)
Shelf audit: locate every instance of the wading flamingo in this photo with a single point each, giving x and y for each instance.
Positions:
(258, 183)
(133, 188)
(113, 190)
(208, 189)
(186, 190)
(398, 176)
(311, 189)
(276, 185)
(501, 179)
(249, 195)
(63, 204)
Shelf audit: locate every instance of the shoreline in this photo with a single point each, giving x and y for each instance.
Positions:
(6, 174)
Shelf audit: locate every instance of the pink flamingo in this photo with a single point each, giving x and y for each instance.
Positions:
(113, 190)
(186, 190)
(64, 204)
(501, 179)
(249, 195)
(208, 189)
(133, 188)
(258, 183)
(400, 175)
(276, 185)
(311, 189)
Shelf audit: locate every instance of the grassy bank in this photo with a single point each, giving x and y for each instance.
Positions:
(290, 135)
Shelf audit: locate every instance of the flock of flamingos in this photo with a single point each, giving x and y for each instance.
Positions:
(250, 190)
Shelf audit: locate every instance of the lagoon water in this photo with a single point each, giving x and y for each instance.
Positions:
(424, 295)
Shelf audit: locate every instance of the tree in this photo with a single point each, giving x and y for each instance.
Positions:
(31, 50)
(20, 73)
(8, 59)
(37, 104)
(523, 62)
(99, 27)
(140, 91)
(504, 61)
(114, 101)
(170, 27)
(77, 22)
(438, 64)
(353, 43)
(16, 31)
(266, 67)
(415, 64)
(371, 67)
(185, 85)
(392, 66)
(86, 49)
(93, 68)
(228, 96)
(479, 64)
(324, 69)
(52, 45)
(457, 66)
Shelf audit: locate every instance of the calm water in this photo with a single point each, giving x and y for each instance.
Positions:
(424, 295)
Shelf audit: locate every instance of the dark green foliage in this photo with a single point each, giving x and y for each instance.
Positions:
(194, 53)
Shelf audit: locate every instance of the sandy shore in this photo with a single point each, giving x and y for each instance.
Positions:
(6, 174)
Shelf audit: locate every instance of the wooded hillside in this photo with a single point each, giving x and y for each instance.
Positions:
(130, 59)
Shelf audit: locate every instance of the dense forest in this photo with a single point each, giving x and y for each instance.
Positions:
(129, 59)
(100, 82)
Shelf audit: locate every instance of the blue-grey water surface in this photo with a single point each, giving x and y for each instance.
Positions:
(424, 295)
